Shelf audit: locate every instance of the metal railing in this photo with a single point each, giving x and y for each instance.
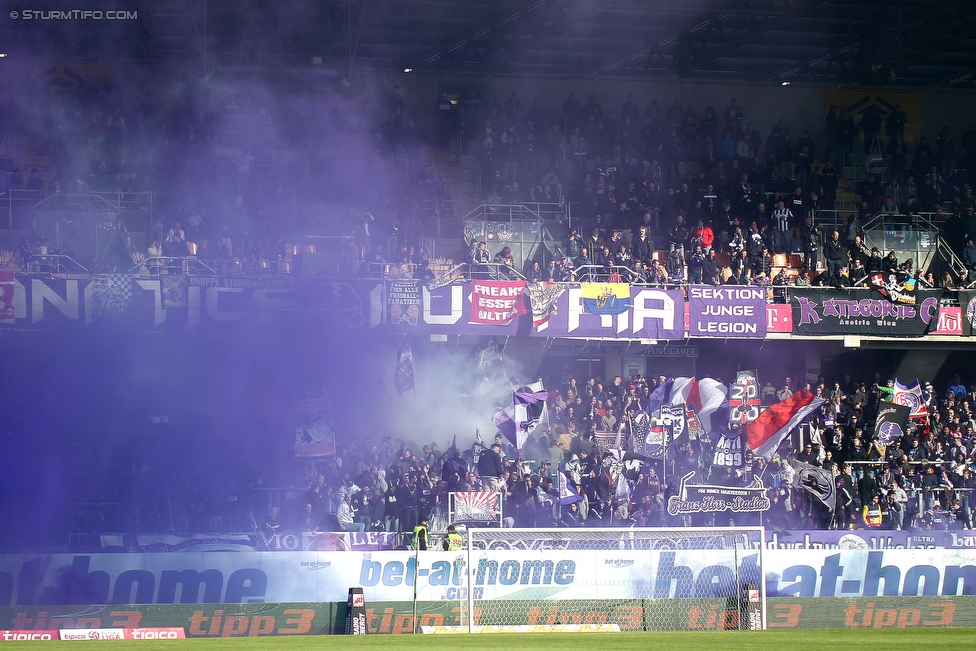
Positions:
(131, 202)
(169, 265)
(559, 212)
(14, 201)
(837, 220)
(43, 263)
(598, 273)
(479, 271)
(391, 270)
(503, 211)
(81, 203)
(11, 260)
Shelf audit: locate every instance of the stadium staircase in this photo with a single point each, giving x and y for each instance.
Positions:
(458, 177)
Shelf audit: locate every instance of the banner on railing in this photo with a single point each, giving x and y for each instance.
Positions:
(726, 311)
(652, 314)
(403, 302)
(706, 498)
(949, 323)
(497, 302)
(856, 312)
(141, 302)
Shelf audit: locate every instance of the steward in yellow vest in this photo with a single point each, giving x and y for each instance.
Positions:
(420, 535)
(454, 541)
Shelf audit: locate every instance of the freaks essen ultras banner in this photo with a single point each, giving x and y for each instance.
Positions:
(860, 312)
(495, 302)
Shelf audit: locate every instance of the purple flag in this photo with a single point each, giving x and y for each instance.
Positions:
(567, 493)
(521, 419)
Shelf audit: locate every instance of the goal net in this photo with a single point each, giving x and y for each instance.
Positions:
(626, 579)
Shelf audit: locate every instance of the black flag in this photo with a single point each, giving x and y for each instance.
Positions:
(891, 422)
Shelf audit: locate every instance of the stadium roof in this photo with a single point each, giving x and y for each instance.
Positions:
(829, 42)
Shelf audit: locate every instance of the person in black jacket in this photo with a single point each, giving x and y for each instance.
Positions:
(490, 467)
(696, 265)
(643, 245)
(712, 272)
(678, 234)
(835, 254)
(890, 263)
(874, 263)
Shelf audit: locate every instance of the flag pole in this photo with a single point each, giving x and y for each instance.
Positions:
(518, 425)
(667, 444)
(560, 478)
(548, 425)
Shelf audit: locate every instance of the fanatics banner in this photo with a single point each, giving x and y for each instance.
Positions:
(496, 302)
(727, 311)
(404, 301)
(857, 312)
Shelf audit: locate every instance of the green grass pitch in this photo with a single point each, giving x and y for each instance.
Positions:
(805, 640)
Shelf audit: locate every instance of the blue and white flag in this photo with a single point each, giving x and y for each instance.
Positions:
(567, 493)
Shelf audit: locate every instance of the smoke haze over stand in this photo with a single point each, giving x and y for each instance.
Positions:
(76, 418)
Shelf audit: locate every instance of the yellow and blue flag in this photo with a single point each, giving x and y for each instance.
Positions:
(605, 298)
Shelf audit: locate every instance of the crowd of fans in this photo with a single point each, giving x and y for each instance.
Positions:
(644, 180)
(922, 480)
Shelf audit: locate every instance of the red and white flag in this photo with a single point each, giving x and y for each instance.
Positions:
(911, 396)
(702, 396)
(773, 425)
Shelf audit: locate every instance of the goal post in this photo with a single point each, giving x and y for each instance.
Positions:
(620, 579)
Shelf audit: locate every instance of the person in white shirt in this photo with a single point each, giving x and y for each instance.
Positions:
(347, 515)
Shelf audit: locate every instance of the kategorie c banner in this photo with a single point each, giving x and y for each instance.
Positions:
(858, 312)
